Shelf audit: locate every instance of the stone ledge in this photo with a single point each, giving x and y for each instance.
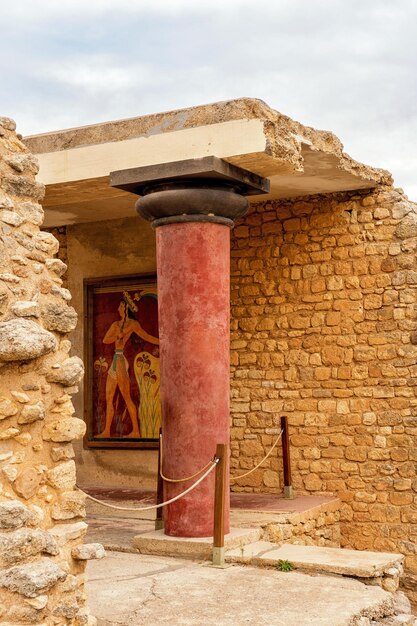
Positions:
(354, 563)
(156, 542)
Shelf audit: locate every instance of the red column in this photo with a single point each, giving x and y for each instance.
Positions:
(193, 263)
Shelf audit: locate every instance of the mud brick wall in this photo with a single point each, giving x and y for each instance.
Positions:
(42, 559)
(324, 330)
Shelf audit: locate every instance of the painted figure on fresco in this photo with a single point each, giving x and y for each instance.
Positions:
(119, 333)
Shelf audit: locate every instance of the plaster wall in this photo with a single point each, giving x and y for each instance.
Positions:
(97, 250)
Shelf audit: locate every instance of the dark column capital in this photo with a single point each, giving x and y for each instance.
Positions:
(206, 189)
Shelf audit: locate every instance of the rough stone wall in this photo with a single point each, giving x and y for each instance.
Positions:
(324, 330)
(60, 233)
(318, 526)
(42, 559)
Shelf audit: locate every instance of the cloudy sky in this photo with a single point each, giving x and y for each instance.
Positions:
(349, 66)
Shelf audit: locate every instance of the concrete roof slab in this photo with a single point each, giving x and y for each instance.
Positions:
(75, 164)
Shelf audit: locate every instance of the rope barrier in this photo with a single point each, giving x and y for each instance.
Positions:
(177, 480)
(263, 460)
(155, 506)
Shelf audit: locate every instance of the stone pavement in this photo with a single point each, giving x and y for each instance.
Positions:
(130, 589)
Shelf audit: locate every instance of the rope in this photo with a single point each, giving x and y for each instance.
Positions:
(263, 460)
(155, 506)
(178, 480)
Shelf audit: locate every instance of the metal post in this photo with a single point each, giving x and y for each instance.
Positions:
(159, 520)
(219, 498)
(286, 459)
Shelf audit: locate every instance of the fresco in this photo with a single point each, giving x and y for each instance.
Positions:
(124, 382)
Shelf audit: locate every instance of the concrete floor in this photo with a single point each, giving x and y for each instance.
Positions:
(131, 589)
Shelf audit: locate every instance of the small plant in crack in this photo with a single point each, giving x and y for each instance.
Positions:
(284, 566)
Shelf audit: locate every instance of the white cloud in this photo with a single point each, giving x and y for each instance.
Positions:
(46, 10)
(94, 74)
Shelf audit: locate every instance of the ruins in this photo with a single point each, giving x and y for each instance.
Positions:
(323, 329)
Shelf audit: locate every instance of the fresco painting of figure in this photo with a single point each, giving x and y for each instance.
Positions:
(125, 378)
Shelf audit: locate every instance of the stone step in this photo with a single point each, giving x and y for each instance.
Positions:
(157, 543)
(381, 566)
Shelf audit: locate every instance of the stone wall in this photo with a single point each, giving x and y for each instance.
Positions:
(324, 330)
(318, 526)
(42, 559)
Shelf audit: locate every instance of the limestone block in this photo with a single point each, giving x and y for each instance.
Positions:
(10, 217)
(271, 479)
(71, 583)
(37, 603)
(62, 453)
(23, 162)
(23, 186)
(7, 408)
(10, 471)
(88, 551)
(5, 201)
(25, 309)
(20, 614)
(32, 579)
(22, 340)
(24, 438)
(13, 514)
(407, 228)
(27, 483)
(57, 266)
(63, 293)
(46, 242)
(20, 396)
(63, 476)
(401, 603)
(63, 430)
(71, 504)
(7, 123)
(23, 543)
(32, 413)
(63, 533)
(251, 448)
(9, 433)
(31, 212)
(68, 610)
(37, 517)
(65, 407)
(59, 317)
(390, 584)
(8, 277)
(69, 372)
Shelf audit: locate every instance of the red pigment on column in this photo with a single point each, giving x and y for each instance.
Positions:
(193, 261)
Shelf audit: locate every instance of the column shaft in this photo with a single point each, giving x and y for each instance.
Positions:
(193, 261)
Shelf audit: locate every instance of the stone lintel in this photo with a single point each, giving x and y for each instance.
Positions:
(203, 170)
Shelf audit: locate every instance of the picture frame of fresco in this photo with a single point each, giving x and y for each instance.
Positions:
(122, 401)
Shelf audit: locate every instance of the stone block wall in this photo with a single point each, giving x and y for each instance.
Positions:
(42, 560)
(318, 526)
(324, 330)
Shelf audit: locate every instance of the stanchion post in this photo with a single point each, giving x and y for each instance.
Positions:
(286, 459)
(159, 520)
(219, 501)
